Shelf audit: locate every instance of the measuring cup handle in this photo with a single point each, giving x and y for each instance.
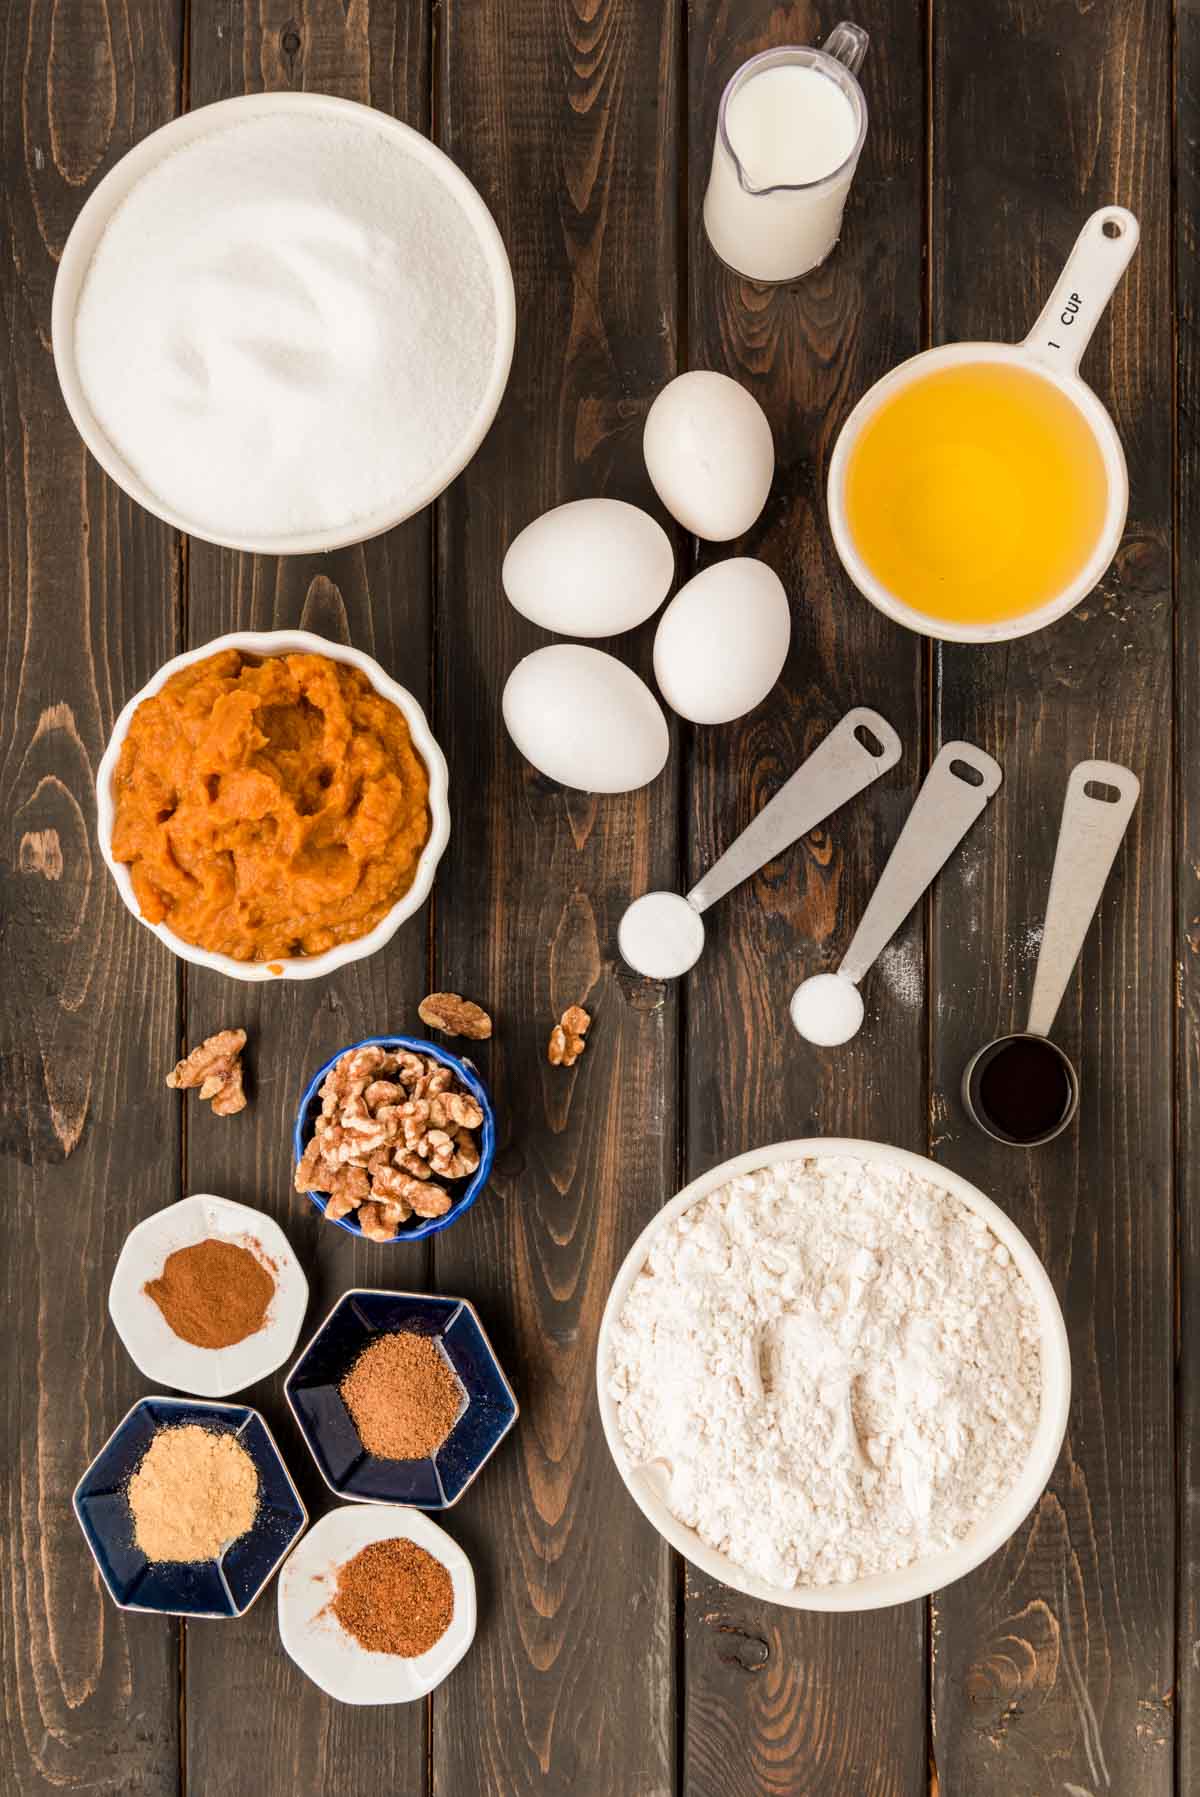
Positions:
(1088, 839)
(847, 44)
(1101, 255)
(944, 810)
(838, 767)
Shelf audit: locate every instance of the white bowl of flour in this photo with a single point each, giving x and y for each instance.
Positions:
(833, 1375)
(284, 322)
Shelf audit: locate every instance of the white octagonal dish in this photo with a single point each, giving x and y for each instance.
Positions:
(152, 1344)
(320, 1645)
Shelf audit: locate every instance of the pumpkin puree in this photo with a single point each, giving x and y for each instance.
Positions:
(269, 807)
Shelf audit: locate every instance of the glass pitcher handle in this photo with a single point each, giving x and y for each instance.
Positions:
(847, 44)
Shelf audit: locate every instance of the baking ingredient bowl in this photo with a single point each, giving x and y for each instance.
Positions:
(223, 1587)
(463, 1191)
(298, 967)
(1051, 354)
(934, 1571)
(316, 1640)
(489, 1407)
(153, 1346)
(204, 121)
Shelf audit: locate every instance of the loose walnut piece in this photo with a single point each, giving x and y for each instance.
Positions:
(455, 1016)
(216, 1069)
(388, 1123)
(567, 1037)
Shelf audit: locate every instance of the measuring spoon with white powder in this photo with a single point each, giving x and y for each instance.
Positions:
(827, 1008)
(661, 934)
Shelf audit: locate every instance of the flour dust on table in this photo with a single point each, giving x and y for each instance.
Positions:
(837, 1363)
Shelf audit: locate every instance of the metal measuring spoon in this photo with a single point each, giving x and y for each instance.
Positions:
(661, 934)
(827, 1008)
(1022, 1089)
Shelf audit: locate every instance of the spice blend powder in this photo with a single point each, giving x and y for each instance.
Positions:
(393, 1597)
(213, 1294)
(194, 1492)
(402, 1396)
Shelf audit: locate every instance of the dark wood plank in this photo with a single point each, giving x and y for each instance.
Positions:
(87, 999)
(1053, 1664)
(777, 1700)
(377, 597)
(1187, 762)
(566, 119)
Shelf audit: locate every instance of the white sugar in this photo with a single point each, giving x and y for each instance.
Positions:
(288, 325)
(827, 1009)
(660, 935)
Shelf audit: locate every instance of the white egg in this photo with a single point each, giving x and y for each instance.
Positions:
(584, 719)
(709, 453)
(593, 567)
(722, 642)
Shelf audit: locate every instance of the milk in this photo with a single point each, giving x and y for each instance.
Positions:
(786, 150)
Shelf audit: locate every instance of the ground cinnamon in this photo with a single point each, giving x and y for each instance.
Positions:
(393, 1597)
(402, 1395)
(213, 1294)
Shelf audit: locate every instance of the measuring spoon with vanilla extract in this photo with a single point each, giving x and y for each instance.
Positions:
(1022, 1089)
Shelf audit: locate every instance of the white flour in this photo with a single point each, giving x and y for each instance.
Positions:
(839, 1365)
(287, 325)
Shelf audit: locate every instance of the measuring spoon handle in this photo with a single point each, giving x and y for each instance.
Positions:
(1088, 839)
(944, 810)
(838, 768)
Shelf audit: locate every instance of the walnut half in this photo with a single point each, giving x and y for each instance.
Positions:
(216, 1068)
(455, 1016)
(567, 1037)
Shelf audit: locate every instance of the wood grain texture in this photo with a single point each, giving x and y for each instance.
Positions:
(1053, 1664)
(778, 1701)
(1187, 763)
(564, 116)
(599, 1668)
(87, 1001)
(376, 596)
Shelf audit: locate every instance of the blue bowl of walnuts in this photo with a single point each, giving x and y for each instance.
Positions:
(394, 1139)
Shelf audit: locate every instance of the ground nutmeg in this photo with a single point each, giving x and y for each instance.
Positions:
(213, 1294)
(402, 1396)
(393, 1597)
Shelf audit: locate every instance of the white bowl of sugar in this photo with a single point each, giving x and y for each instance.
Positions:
(825, 1356)
(284, 322)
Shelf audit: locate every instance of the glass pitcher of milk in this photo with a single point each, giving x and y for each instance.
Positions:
(789, 134)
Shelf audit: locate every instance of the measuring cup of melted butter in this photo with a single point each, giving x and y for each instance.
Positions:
(978, 491)
(1022, 1089)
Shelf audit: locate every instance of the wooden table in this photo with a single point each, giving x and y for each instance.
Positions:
(1070, 1662)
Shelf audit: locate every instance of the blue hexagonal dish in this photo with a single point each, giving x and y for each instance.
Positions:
(488, 1412)
(223, 1587)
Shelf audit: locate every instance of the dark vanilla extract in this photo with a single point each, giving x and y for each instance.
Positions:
(1023, 1090)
